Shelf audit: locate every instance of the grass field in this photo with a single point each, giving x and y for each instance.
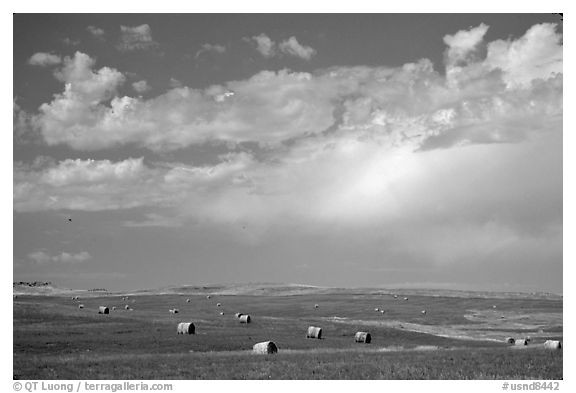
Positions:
(457, 338)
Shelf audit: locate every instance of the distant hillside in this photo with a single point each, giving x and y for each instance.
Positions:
(40, 288)
(273, 289)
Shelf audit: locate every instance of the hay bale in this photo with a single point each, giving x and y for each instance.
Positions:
(395, 296)
(405, 298)
(103, 310)
(552, 344)
(127, 307)
(316, 306)
(222, 313)
(362, 337)
(423, 312)
(510, 340)
(264, 348)
(113, 308)
(186, 328)
(208, 297)
(244, 318)
(174, 311)
(238, 314)
(187, 300)
(520, 342)
(382, 311)
(376, 309)
(218, 304)
(80, 306)
(314, 332)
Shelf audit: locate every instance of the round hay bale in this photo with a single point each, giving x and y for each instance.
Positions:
(405, 298)
(103, 310)
(186, 328)
(208, 297)
(314, 332)
(423, 312)
(222, 313)
(244, 318)
(174, 311)
(80, 306)
(113, 308)
(395, 296)
(264, 348)
(510, 340)
(382, 311)
(520, 342)
(376, 309)
(127, 307)
(316, 306)
(552, 344)
(187, 300)
(362, 337)
(238, 314)
(218, 304)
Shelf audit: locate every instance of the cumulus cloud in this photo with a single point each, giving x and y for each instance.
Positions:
(292, 47)
(537, 54)
(136, 38)
(23, 129)
(104, 185)
(141, 86)
(96, 32)
(210, 48)
(41, 257)
(474, 102)
(43, 59)
(463, 43)
(265, 45)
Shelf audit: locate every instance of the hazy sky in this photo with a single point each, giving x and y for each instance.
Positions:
(334, 150)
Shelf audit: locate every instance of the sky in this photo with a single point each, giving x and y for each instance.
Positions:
(351, 150)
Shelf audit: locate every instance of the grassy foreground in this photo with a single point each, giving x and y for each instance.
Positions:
(54, 339)
(499, 363)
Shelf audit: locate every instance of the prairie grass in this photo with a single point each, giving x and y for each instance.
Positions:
(53, 339)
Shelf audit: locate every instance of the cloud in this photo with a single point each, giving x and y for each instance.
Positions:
(80, 101)
(210, 48)
(43, 59)
(537, 54)
(463, 43)
(141, 86)
(96, 32)
(91, 185)
(41, 257)
(265, 45)
(70, 42)
(175, 83)
(136, 38)
(268, 48)
(22, 126)
(292, 47)
(412, 104)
